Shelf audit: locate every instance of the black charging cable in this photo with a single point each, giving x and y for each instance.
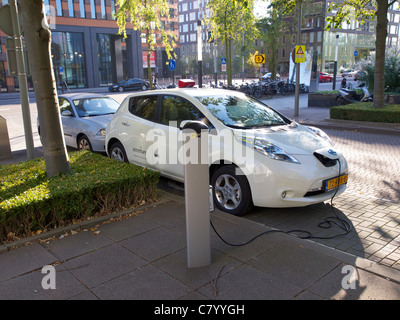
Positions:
(326, 224)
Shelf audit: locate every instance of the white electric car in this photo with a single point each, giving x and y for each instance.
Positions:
(256, 155)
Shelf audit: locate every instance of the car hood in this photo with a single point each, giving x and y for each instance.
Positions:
(294, 138)
(98, 121)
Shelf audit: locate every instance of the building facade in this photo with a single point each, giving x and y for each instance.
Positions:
(87, 51)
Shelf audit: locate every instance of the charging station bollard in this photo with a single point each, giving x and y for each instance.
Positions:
(197, 203)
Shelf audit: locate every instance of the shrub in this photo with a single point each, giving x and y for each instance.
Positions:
(366, 112)
(97, 185)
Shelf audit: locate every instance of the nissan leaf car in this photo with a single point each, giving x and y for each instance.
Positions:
(256, 156)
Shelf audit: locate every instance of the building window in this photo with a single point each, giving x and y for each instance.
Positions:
(69, 56)
(59, 8)
(104, 59)
(82, 8)
(113, 9)
(103, 9)
(71, 8)
(92, 9)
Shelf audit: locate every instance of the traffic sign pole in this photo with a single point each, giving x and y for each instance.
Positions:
(297, 88)
(22, 77)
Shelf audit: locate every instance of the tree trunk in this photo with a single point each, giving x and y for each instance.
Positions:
(380, 44)
(149, 74)
(38, 40)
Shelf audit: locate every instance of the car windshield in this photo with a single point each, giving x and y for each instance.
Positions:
(95, 106)
(241, 112)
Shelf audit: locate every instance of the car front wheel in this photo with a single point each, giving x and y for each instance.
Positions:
(84, 143)
(117, 152)
(231, 192)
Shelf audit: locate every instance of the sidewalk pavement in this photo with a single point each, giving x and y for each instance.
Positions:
(141, 255)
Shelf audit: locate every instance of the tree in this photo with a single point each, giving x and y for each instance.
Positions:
(270, 29)
(363, 10)
(230, 20)
(144, 15)
(37, 35)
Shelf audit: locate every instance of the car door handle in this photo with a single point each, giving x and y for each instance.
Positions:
(125, 124)
(158, 133)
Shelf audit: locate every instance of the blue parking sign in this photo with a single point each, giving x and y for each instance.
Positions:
(171, 65)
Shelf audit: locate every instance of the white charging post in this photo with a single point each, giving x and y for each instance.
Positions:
(197, 196)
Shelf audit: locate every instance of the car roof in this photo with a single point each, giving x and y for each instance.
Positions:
(192, 92)
(82, 95)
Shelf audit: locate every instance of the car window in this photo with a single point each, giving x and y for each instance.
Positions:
(95, 106)
(65, 105)
(241, 112)
(178, 109)
(143, 107)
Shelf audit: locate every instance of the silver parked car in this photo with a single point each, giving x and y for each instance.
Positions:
(84, 118)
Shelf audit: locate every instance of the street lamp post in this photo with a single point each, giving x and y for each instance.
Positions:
(200, 53)
(335, 64)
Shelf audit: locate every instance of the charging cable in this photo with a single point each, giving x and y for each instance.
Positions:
(326, 224)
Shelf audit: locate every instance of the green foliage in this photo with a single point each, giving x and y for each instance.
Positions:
(30, 201)
(366, 112)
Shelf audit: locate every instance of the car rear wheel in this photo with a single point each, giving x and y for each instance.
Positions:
(144, 87)
(84, 143)
(231, 192)
(117, 152)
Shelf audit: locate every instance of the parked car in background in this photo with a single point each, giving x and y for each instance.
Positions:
(268, 75)
(325, 77)
(84, 118)
(360, 75)
(135, 84)
(273, 161)
(116, 86)
(348, 73)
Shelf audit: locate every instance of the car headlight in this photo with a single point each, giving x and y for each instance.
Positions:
(321, 134)
(101, 132)
(274, 152)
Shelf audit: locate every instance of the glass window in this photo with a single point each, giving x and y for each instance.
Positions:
(82, 8)
(59, 8)
(92, 9)
(178, 109)
(143, 107)
(241, 112)
(103, 9)
(113, 9)
(104, 59)
(71, 8)
(69, 59)
(95, 106)
(65, 106)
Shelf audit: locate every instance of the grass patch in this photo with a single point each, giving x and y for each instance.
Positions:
(31, 202)
(365, 111)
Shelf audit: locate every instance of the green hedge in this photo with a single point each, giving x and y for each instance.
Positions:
(97, 185)
(366, 112)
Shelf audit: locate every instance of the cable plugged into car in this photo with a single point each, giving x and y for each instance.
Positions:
(329, 222)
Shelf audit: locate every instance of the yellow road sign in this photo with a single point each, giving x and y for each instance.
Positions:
(260, 58)
(300, 54)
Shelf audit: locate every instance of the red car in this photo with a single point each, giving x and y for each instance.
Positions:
(325, 77)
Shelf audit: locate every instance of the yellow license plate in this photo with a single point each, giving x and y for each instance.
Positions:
(335, 182)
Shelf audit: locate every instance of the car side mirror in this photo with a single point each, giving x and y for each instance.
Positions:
(67, 113)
